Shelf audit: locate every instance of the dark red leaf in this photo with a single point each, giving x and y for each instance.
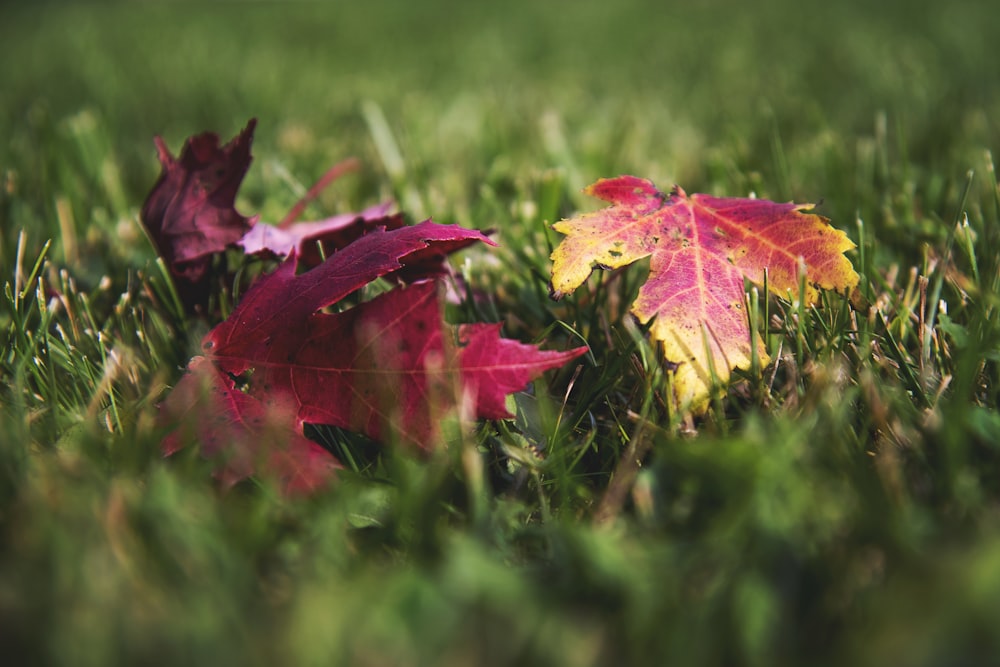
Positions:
(190, 212)
(389, 367)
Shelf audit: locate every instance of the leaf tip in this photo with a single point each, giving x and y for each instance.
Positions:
(163, 153)
(622, 188)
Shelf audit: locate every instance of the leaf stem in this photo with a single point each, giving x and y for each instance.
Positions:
(332, 174)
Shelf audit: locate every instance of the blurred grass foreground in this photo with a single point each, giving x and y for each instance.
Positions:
(839, 508)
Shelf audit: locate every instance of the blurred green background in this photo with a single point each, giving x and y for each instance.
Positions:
(678, 92)
(783, 541)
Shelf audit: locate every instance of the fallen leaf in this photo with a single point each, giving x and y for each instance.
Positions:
(380, 363)
(388, 367)
(190, 212)
(701, 250)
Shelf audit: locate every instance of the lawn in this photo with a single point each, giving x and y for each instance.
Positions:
(840, 505)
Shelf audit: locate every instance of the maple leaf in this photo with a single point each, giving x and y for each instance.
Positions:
(701, 250)
(388, 367)
(190, 212)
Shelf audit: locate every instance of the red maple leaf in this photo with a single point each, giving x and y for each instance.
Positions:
(702, 248)
(388, 367)
(190, 212)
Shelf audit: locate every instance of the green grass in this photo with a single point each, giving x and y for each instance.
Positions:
(838, 507)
